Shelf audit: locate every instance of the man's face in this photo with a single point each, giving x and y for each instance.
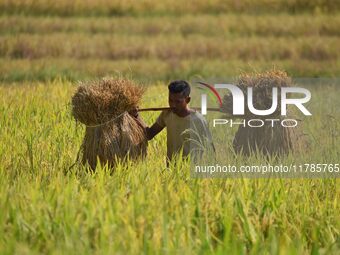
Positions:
(178, 102)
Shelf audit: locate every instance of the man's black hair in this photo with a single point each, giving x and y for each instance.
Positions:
(180, 86)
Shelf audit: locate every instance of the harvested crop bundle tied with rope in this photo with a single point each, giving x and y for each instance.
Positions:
(268, 139)
(111, 132)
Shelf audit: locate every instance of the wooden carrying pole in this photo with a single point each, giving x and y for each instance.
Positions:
(168, 108)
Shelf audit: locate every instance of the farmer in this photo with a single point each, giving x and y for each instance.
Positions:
(186, 128)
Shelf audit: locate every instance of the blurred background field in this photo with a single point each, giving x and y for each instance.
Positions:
(46, 47)
(166, 7)
(150, 40)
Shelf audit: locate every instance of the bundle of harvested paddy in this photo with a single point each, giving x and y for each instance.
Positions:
(267, 139)
(111, 132)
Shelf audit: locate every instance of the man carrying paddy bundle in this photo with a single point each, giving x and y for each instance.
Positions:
(186, 128)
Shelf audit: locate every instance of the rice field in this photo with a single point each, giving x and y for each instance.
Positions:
(154, 48)
(143, 207)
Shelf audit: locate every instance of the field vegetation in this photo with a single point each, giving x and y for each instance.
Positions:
(142, 207)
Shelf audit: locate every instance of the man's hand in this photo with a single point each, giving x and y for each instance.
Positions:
(134, 112)
(150, 132)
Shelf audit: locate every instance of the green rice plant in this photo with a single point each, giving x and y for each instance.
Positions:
(144, 207)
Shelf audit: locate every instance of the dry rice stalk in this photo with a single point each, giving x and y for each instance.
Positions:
(98, 102)
(270, 140)
(262, 84)
(111, 132)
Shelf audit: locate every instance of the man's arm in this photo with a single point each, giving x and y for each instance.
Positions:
(152, 131)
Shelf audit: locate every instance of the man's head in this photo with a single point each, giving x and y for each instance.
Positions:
(179, 95)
